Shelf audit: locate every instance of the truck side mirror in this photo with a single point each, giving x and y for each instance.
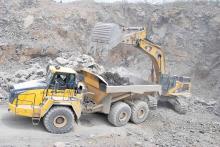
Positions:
(78, 90)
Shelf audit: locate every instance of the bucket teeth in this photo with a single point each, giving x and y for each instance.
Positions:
(106, 33)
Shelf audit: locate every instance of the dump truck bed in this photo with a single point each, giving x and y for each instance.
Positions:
(98, 85)
(103, 95)
(140, 89)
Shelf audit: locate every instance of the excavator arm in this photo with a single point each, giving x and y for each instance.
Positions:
(171, 85)
(152, 50)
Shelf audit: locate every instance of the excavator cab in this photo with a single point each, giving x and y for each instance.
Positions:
(167, 82)
(175, 85)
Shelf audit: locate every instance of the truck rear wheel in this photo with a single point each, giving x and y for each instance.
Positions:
(120, 114)
(59, 120)
(139, 112)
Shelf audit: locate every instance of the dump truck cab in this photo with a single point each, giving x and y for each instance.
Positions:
(58, 95)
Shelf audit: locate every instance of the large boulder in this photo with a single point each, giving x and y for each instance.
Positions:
(61, 61)
(217, 109)
(3, 94)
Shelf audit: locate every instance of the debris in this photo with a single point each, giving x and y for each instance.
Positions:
(217, 109)
(40, 72)
(211, 103)
(202, 132)
(3, 94)
(77, 135)
(61, 61)
(28, 21)
(59, 144)
(138, 143)
(129, 133)
(91, 135)
(203, 102)
(115, 79)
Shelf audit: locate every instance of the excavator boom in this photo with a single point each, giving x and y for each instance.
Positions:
(152, 50)
(112, 35)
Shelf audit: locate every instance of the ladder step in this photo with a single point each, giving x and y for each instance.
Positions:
(35, 120)
(36, 115)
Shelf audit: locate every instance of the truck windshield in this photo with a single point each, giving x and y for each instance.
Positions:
(49, 76)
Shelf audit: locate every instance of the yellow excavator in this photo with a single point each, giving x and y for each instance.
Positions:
(174, 88)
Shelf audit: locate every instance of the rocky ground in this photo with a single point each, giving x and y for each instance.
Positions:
(35, 33)
(164, 127)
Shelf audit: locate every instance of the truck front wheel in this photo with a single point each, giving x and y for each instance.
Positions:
(59, 120)
(120, 114)
(139, 112)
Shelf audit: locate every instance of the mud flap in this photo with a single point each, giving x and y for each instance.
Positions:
(107, 104)
(152, 102)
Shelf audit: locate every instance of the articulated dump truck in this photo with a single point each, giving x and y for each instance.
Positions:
(61, 98)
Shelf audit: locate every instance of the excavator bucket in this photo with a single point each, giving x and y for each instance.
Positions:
(111, 34)
(106, 34)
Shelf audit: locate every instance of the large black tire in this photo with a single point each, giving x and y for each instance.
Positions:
(120, 114)
(59, 120)
(139, 112)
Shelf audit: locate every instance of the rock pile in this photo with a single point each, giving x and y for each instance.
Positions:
(115, 79)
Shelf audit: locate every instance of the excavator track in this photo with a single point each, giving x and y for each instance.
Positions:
(179, 104)
(181, 107)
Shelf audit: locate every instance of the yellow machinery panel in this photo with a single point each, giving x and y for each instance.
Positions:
(36, 101)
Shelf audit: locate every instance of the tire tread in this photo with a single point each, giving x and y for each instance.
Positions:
(47, 122)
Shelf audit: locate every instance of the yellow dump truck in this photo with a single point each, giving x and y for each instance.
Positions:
(65, 94)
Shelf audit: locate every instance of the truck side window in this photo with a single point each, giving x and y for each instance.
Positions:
(71, 81)
(60, 80)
